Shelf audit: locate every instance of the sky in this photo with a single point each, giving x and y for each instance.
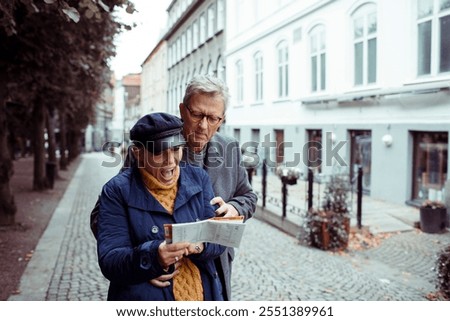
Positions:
(134, 46)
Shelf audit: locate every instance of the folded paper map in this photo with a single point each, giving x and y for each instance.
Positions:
(225, 231)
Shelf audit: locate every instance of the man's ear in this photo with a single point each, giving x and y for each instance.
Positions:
(182, 109)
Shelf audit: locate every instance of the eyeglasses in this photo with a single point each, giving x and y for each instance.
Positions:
(198, 117)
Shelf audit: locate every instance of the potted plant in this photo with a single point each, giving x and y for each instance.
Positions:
(288, 175)
(328, 227)
(433, 217)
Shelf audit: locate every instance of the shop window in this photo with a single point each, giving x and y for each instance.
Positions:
(430, 165)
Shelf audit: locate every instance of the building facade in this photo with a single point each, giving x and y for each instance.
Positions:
(154, 80)
(131, 84)
(195, 42)
(100, 131)
(356, 83)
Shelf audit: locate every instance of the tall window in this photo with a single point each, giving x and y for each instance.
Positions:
(195, 34)
(361, 155)
(220, 68)
(175, 52)
(430, 171)
(220, 14)
(211, 20)
(202, 28)
(170, 55)
(279, 151)
(239, 82)
(188, 78)
(365, 45)
(176, 91)
(318, 61)
(209, 69)
(178, 49)
(189, 39)
(314, 152)
(433, 41)
(183, 45)
(283, 69)
(237, 134)
(258, 64)
(180, 93)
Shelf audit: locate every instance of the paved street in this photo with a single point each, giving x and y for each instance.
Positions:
(270, 265)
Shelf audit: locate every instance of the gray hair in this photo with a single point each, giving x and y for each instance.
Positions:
(207, 85)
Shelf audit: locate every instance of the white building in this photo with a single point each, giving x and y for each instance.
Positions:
(374, 75)
(117, 124)
(154, 80)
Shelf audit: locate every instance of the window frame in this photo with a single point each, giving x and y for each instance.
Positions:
(239, 67)
(283, 69)
(317, 43)
(429, 61)
(364, 65)
(202, 28)
(211, 23)
(258, 64)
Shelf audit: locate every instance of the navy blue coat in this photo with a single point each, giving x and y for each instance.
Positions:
(131, 228)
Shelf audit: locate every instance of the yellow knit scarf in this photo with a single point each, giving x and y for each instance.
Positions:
(187, 284)
(164, 194)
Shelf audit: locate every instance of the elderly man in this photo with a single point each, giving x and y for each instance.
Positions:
(203, 111)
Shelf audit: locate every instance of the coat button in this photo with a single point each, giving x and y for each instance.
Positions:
(155, 229)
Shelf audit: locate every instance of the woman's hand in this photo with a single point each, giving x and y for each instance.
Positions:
(168, 251)
(196, 248)
(169, 254)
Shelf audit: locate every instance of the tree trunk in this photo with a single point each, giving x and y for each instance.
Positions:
(7, 204)
(39, 178)
(63, 140)
(74, 144)
(50, 120)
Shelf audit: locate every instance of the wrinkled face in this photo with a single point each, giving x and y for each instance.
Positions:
(162, 166)
(202, 118)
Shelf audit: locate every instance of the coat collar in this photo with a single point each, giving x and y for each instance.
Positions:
(141, 198)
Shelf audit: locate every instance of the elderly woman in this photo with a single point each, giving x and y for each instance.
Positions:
(134, 206)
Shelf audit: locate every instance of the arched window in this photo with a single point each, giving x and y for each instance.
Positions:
(239, 82)
(258, 70)
(220, 69)
(283, 69)
(187, 78)
(318, 58)
(211, 20)
(180, 93)
(175, 94)
(209, 69)
(365, 44)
